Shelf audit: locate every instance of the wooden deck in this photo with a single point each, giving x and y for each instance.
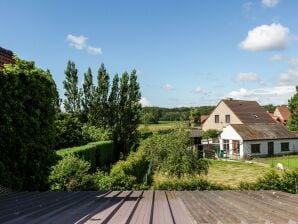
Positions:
(140, 207)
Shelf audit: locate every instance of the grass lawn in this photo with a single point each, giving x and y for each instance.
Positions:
(161, 126)
(288, 161)
(232, 173)
(229, 172)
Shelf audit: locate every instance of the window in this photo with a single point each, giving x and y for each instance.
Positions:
(226, 145)
(228, 118)
(216, 118)
(255, 148)
(284, 146)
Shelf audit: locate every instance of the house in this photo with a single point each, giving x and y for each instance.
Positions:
(282, 113)
(203, 118)
(267, 139)
(232, 111)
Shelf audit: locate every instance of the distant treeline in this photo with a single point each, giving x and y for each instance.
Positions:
(155, 114)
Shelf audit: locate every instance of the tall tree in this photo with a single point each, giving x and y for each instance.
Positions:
(87, 94)
(293, 107)
(73, 97)
(99, 115)
(113, 102)
(129, 108)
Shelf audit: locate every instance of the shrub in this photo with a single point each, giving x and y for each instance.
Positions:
(172, 154)
(289, 181)
(94, 134)
(97, 154)
(68, 131)
(189, 184)
(71, 174)
(27, 98)
(211, 133)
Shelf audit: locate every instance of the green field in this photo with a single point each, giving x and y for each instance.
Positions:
(161, 126)
(288, 161)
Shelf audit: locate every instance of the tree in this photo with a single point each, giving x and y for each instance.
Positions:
(194, 116)
(87, 97)
(99, 114)
(27, 112)
(150, 115)
(128, 117)
(113, 102)
(293, 107)
(72, 103)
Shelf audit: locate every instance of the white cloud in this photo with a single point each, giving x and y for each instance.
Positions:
(145, 102)
(293, 62)
(276, 57)
(200, 90)
(289, 77)
(168, 87)
(266, 37)
(275, 94)
(80, 43)
(247, 76)
(270, 3)
(94, 50)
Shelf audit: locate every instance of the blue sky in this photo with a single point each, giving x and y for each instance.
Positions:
(187, 53)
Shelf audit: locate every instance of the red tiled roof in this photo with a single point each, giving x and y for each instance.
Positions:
(284, 112)
(203, 118)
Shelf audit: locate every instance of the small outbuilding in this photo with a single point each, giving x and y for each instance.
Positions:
(258, 140)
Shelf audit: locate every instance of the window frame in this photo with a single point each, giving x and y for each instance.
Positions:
(252, 149)
(216, 120)
(226, 144)
(228, 116)
(282, 148)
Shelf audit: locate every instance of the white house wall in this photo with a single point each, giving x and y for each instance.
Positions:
(230, 134)
(293, 146)
(222, 110)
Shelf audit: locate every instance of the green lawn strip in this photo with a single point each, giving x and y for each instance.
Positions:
(288, 161)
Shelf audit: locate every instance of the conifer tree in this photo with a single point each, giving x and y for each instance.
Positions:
(72, 93)
(113, 102)
(87, 94)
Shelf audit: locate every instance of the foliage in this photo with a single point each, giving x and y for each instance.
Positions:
(269, 107)
(125, 133)
(187, 184)
(71, 174)
(150, 115)
(94, 134)
(87, 96)
(211, 133)
(287, 182)
(72, 103)
(68, 131)
(172, 154)
(28, 106)
(194, 116)
(96, 153)
(125, 174)
(293, 107)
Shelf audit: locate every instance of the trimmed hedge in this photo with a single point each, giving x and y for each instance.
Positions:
(98, 154)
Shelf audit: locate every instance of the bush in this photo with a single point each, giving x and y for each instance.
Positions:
(71, 174)
(189, 184)
(211, 133)
(94, 134)
(287, 182)
(172, 154)
(68, 131)
(98, 154)
(27, 98)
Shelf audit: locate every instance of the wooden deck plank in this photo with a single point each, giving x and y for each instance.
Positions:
(161, 212)
(143, 211)
(180, 213)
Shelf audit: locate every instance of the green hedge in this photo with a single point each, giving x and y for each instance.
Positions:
(187, 184)
(98, 154)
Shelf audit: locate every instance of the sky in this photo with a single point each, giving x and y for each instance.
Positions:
(186, 53)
